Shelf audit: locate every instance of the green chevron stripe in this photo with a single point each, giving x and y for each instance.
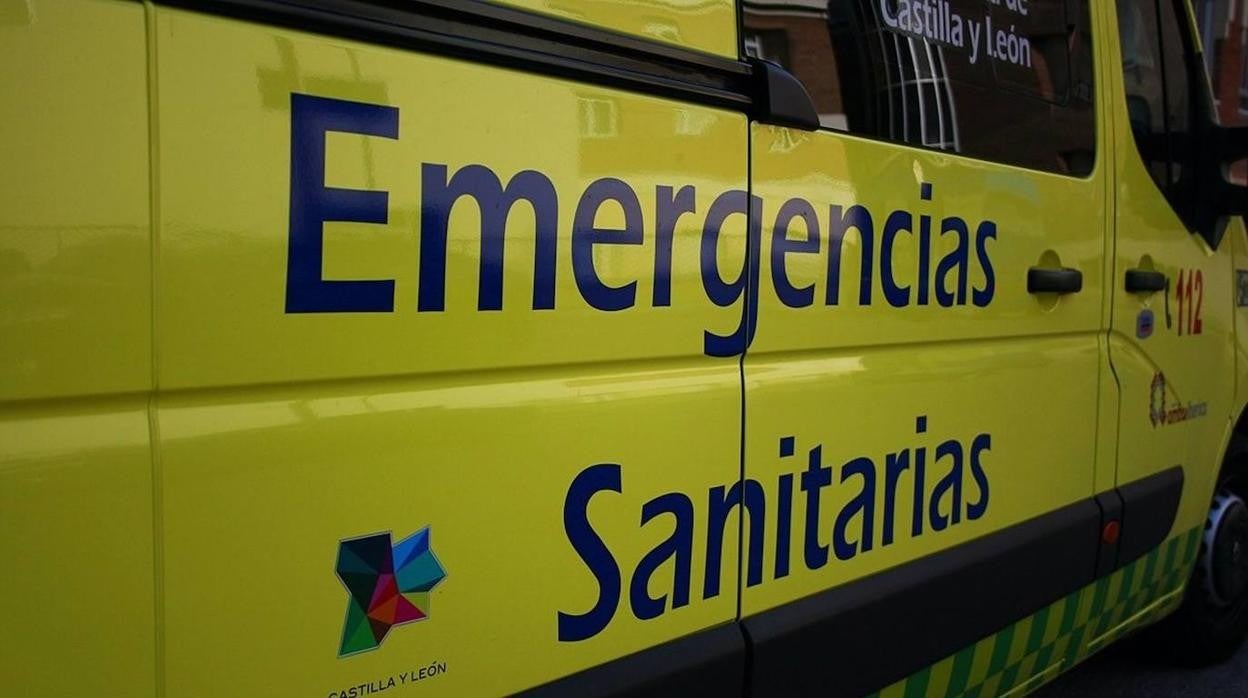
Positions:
(1064, 632)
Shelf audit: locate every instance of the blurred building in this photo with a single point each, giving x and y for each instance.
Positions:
(1224, 35)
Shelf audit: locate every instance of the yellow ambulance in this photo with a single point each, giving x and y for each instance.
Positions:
(357, 348)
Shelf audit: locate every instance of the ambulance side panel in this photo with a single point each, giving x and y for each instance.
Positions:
(708, 26)
(925, 420)
(342, 368)
(76, 526)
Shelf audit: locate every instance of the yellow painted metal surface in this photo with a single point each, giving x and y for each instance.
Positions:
(1177, 395)
(709, 26)
(975, 385)
(76, 535)
(227, 243)
(1238, 239)
(74, 269)
(76, 517)
(473, 422)
(552, 394)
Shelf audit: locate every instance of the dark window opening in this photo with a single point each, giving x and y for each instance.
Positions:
(1157, 63)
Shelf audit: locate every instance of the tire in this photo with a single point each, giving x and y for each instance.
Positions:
(1212, 621)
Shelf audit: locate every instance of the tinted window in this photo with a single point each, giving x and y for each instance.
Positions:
(1156, 62)
(1224, 35)
(1140, 38)
(1007, 80)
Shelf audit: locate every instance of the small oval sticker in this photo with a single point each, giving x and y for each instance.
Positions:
(1144, 324)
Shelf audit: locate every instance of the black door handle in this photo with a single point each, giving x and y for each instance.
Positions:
(1061, 280)
(1145, 281)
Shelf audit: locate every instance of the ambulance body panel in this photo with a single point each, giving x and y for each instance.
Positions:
(76, 470)
(605, 348)
(708, 26)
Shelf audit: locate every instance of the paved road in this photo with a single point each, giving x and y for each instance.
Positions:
(1125, 670)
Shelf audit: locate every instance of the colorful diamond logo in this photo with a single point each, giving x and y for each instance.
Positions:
(387, 585)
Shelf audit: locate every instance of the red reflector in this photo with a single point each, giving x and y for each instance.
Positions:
(1109, 534)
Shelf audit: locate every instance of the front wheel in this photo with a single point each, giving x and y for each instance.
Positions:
(1213, 619)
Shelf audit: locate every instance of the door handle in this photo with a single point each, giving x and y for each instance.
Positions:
(1145, 281)
(1061, 280)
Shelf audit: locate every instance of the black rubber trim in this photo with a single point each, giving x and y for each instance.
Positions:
(1231, 143)
(1148, 510)
(858, 637)
(783, 98)
(481, 32)
(708, 663)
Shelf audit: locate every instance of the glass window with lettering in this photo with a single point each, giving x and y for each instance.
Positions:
(1002, 80)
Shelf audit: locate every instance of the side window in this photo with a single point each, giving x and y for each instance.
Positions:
(1224, 35)
(1002, 80)
(1156, 63)
(1175, 36)
(1140, 38)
